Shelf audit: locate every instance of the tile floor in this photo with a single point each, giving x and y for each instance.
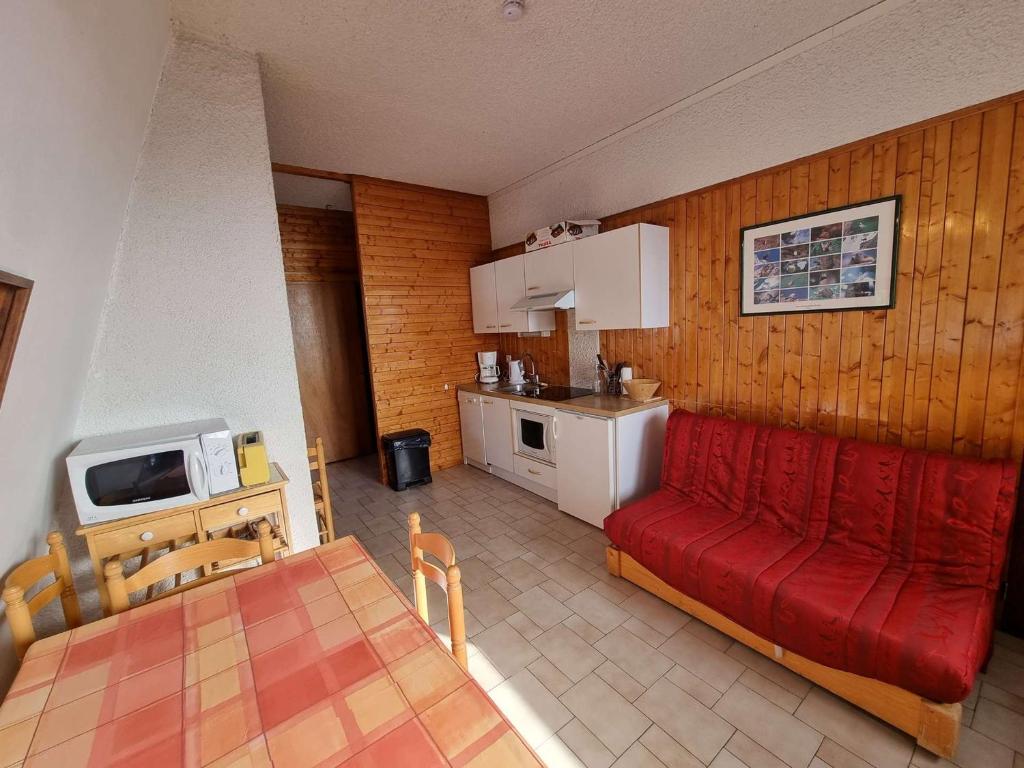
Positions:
(595, 672)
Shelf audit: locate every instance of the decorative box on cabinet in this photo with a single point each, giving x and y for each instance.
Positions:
(227, 514)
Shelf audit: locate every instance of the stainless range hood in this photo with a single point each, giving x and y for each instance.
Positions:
(556, 300)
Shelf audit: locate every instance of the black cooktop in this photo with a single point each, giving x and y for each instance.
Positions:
(557, 394)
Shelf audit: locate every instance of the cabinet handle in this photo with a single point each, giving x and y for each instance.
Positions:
(586, 322)
(492, 325)
(243, 511)
(487, 402)
(505, 325)
(533, 288)
(146, 536)
(533, 471)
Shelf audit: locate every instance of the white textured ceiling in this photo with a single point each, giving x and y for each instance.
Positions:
(448, 94)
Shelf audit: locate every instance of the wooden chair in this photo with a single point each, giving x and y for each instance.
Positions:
(183, 560)
(24, 577)
(321, 492)
(450, 580)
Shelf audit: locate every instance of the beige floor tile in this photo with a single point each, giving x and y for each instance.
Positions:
(556, 754)
(570, 576)
(556, 590)
(505, 588)
(999, 696)
(521, 574)
(605, 713)
(648, 634)
(590, 549)
(710, 665)
(999, 724)
(776, 694)
(597, 610)
(726, 759)
(584, 629)
(836, 756)
(855, 730)
(693, 685)
(586, 746)
(531, 708)
(773, 728)
(550, 675)
(638, 756)
(975, 751)
(694, 726)
(523, 625)
(668, 750)
(548, 550)
(778, 674)
(751, 753)
(484, 672)
(609, 592)
(568, 652)
(655, 613)
(488, 605)
(506, 648)
(709, 635)
(620, 681)
(541, 608)
(639, 660)
(475, 573)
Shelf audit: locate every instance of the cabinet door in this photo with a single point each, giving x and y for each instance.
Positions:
(586, 458)
(606, 271)
(511, 287)
(472, 425)
(485, 299)
(497, 420)
(549, 270)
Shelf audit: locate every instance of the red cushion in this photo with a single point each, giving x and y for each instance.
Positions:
(875, 559)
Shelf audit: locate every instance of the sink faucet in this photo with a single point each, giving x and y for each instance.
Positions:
(532, 377)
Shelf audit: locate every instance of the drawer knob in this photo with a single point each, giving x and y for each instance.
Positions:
(243, 511)
(146, 536)
(533, 471)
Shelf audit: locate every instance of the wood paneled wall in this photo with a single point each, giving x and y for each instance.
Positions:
(941, 370)
(416, 246)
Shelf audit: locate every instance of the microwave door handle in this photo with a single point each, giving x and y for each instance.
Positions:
(197, 475)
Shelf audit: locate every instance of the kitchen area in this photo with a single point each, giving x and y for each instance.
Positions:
(591, 443)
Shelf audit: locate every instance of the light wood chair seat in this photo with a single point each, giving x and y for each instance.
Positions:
(183, 560)
(449, 579)
(321, 492)
(26, 576)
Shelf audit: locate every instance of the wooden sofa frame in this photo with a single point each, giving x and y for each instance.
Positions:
(935, 726)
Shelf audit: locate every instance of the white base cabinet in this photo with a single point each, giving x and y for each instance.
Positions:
(605, 463)
(471, 422)
(497, 421)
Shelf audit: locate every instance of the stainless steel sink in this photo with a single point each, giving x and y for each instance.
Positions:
(521, 389)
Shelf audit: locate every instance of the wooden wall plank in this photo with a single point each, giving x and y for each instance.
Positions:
(943, 369)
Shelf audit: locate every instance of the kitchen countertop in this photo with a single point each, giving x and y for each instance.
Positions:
(596, 405)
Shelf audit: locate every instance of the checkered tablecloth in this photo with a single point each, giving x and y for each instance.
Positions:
(314, 660)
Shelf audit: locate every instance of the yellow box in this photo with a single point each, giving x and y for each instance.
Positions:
(253, 467)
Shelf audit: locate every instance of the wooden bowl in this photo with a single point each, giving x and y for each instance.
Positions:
(641, 390)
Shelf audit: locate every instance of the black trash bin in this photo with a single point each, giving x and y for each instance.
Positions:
(408, 458)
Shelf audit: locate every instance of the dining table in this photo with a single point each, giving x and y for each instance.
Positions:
(316, 659)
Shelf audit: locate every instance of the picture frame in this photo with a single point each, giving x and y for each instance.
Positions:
(837, 260)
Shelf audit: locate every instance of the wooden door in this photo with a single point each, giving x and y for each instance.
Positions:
(327, 329)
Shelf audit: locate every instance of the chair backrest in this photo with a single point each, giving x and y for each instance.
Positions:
(321, 491)
(183, 560)
(24, 577)
(449, 579)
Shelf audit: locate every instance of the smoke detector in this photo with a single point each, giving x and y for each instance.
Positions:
(512, 10)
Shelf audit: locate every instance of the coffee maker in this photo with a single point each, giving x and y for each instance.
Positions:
(488, 364)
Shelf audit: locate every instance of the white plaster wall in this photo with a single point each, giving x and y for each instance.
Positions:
(896, 64)
(196, 320)
(77, 80)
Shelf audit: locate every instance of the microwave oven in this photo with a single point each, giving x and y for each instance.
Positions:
(534, 432)
(132, 473)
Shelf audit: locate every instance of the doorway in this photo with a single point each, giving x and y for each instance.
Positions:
(318, 244)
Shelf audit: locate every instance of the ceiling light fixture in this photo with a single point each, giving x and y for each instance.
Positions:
(512, 10)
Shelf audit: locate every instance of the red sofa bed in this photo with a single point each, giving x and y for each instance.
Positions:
(874, 559)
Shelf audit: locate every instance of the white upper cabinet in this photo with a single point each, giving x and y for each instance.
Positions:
(485, 300)
(510, 279)
(549, 270)
(621, 278)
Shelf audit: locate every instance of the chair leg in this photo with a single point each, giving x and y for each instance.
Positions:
(457, 616)
(19, 619)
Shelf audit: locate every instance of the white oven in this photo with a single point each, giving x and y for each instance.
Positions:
(534, 431)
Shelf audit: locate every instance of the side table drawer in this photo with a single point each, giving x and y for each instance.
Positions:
(232, 513)
(135, 537)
